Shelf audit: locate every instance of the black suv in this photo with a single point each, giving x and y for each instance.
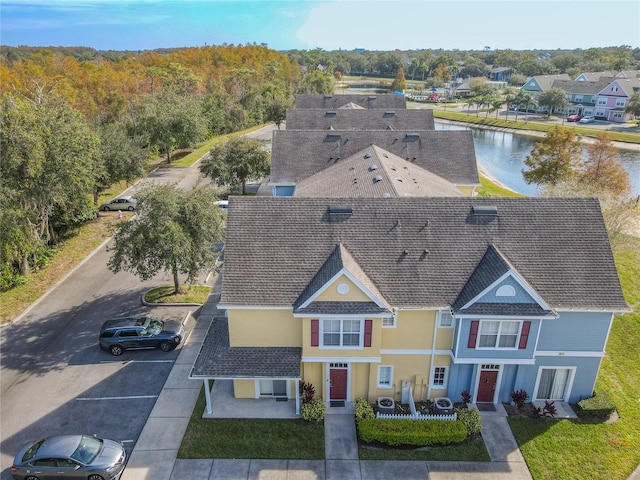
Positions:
(133, 333)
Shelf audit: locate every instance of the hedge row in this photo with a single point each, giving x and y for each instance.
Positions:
(600, 405)
(419, 433)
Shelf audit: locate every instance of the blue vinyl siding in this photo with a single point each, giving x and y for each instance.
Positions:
(462, 351)
(575, 331)
(521, 296)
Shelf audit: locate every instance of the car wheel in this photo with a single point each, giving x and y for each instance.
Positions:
(94, 477)
(116, 350)
(130, 209)
(31, 478)
(166, 346)
(105, 209)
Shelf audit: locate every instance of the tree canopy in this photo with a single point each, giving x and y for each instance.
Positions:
(553, 159)
(174, 231)
(233, 162)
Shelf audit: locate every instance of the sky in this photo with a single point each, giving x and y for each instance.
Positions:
(326, 24)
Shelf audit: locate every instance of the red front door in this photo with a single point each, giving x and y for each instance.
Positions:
(338, 384)
(487, 386)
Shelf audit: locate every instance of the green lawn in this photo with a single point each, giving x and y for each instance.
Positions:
(564, 449)
(250, 438)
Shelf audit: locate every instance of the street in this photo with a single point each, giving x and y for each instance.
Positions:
(53, 377)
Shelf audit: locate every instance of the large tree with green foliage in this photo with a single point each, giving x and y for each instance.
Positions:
(173, 231)
(553, 159)
(171, 121)
(49, 154)
(399, 83)
(233, 162)
(553, 99)
(633, 106)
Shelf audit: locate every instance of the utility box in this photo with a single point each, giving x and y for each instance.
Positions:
(406, 390)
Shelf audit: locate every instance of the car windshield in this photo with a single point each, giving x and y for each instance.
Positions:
(154, 327)
(31, 451)
(87, 450)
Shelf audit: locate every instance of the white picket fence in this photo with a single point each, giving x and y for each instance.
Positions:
(414, 415)
(418, 416)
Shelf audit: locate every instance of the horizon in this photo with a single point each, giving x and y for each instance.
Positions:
(331, 25)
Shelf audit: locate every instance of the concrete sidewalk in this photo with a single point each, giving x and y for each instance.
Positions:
(154, 456)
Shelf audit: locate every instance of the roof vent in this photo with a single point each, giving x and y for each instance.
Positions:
(330, 114)
(487, 210)
(373, 168)
(340, 210)
(333, 137)
(412, 136)
(372, 97)
(367, 155)
(389, 114)
(328, 96)
(386, 195)
(377, 178)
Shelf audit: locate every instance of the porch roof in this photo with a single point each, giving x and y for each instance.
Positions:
(217, 359)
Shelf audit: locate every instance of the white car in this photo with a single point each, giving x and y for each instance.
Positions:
(587, 120)
(223, 204)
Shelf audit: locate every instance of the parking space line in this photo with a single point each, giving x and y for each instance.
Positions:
(137, 361)
(130, 397)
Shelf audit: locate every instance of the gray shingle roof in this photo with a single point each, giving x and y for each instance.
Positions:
(341, 308)
(507, 310)
(581, 87)
(419, 252)
(217, 360)
(323, 119)
(374, 172)
(298, 154)
(336, 101)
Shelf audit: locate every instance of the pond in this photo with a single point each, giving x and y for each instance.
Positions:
(502, 155)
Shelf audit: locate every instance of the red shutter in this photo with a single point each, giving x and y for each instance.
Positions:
(368, 328)
(473, 333)
(315, 332)
(524, 335)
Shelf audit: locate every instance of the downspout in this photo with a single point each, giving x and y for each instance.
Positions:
(433, 354)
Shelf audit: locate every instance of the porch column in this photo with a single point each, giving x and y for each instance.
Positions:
(297, 396)
(207, 395)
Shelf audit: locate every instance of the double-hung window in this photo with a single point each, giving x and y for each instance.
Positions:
(496, 334)
(385, 376)
(439, 377)
(342, 333)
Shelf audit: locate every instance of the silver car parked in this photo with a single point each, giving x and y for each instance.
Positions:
(120, 203)
(69, 457)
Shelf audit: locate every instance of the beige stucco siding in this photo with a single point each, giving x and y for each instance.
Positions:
(414, 330)
(405, 367)
(444, 339)
(244, 389)
(353, 295)
(264, 328)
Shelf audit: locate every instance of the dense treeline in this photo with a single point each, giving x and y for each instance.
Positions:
(441, 65)
(74, 121)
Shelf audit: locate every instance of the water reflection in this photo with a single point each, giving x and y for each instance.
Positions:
(502, 155)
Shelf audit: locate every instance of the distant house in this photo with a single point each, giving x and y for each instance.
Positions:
(594, 76)
(421, 297)
(299, 154)
(333, 102)
(350, 119)
(541, 83)
(500, 74)
(582, 94)
(612, 100)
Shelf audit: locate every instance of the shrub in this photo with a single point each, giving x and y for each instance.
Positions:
(313, 411)
(363, 409)
(466, 396)
(471, 419)
(307, 391)
(600, 405)
(519, 397)
(418, 433)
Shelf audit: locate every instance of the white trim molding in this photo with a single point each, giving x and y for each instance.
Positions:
(550, 353)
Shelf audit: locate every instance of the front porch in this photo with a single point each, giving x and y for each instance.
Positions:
(224, 405)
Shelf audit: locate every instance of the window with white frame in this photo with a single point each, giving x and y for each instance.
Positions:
(617, 115)
(614, 89)
(341, 333)
(620, 102)
(554, 383)
(445, 319)
(498, 334)
(389, 322)
(602, 101)
(385, 376)
(578, 98)
(439, 377)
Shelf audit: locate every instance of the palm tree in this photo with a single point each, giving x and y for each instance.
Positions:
(524, 98)
(496, 104)
(633, 106)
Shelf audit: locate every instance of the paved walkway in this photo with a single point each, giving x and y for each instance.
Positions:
(154, 456)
